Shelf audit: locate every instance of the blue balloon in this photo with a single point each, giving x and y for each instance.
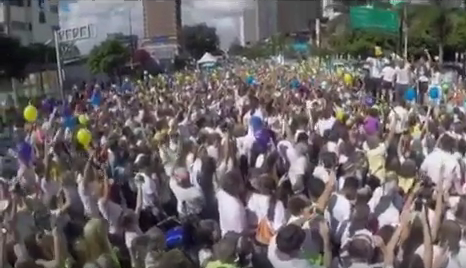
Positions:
(25, 152)
(126, 86)
(256, 123)
(369, 100)
(48, 105)
(262, 138)
(69, 122)
(66, 111)
(294, 84)
(174, 237)
(410, 94)
(250, 80)
(96, 98)
(434, 92)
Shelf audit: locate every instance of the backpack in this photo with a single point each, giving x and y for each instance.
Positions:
(265, 230)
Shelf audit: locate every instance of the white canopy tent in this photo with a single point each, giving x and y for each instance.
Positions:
(207, 60)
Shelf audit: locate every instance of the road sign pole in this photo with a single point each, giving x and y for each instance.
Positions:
(405, 32)
(59, 67)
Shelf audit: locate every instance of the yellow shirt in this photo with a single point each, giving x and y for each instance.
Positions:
(219, 264)
(376, 161)
(405, 183)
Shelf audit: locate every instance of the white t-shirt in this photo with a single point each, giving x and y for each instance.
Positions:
(375, 67)
(149, 191)
(244, 144)
(324, 124)
(189, 200)
(248, 116)
(433, 163)
(341, 211)
(281, 260)
(390, 216)
(258, 205)
(388, 74)
(458, 260)
(194, 168)
(88, 199)
(131, 235)
(298, 167)
(49, 188)
(401, 123)
(232, 213)
(111, 211)
(403, 75)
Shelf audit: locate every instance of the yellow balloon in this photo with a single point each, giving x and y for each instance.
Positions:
(84, 137)
(83, 119)
(30, 113)
(378, 51)
(348, 79)
(339, 114)
(339, 72)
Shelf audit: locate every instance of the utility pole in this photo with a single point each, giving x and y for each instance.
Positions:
(7, 13)
(7, 28)
(405, 31)
(131, 45)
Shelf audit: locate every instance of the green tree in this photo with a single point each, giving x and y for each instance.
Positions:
(199, 39)
(108, 57)
(41, 54)
(13, 63)
(236, 49)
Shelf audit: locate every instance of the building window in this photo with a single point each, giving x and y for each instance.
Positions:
(18, 3)
(54, 8)
(19, 25)
(30, 26)
(29, 3)
(42, 17)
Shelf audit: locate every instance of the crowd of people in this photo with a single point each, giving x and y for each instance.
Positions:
(247, 165)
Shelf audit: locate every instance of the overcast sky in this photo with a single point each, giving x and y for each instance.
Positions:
(110, 16)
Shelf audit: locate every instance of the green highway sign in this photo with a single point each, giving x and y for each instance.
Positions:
(364, 17)
(396, 2)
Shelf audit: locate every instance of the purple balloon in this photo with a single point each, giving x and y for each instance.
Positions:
(25, 152)
(369, 101)
(263, 138)
(66, 111)
(46, 106)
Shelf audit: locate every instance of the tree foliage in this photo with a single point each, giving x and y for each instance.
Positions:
(108, 57)
(429, 27)
(41, 54)
(13, 63)
(199, 39)
(141, 56)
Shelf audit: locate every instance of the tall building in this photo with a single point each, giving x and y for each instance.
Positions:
(31, 21)
(162, 28)
(265, 18)
(297, 15)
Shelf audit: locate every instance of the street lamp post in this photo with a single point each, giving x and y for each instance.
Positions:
(59, 66)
